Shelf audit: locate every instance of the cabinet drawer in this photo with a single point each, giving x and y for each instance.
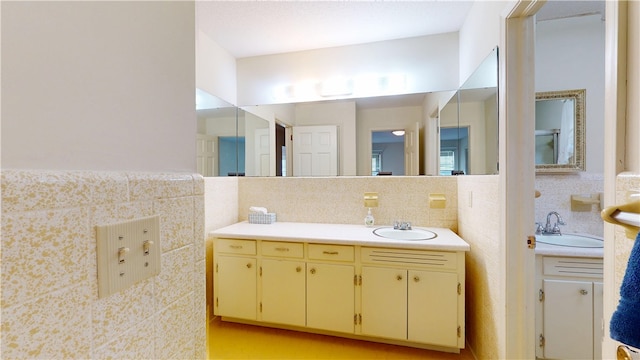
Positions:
(409, 257)
(331, 252)
(282, 249)
(236, 246)
(572, 266)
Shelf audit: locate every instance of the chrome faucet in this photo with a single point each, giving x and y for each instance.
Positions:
(398, 225)
(555, 229)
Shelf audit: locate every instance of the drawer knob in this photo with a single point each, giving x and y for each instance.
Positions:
(398, 277)
(416, 278)
(249, 265)
(584, 292)
(298, 269)
(313, 270)
(330, 252)
(282, 249)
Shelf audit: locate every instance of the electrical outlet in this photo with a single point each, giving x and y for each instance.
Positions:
(128, 252)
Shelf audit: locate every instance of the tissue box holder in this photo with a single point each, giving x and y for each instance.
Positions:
(258, 218)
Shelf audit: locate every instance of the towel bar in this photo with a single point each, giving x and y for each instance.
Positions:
(627, 215)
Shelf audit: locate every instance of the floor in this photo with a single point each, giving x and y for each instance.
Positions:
(238, 341)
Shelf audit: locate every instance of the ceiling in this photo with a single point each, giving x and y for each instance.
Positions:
(254, 28)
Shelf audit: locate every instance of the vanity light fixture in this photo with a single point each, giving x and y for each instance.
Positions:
(398, 132)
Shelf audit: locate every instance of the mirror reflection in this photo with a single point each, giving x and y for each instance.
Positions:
(451, 132)
(559, 131)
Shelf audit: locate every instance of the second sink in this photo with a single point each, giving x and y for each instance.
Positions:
(413, 234)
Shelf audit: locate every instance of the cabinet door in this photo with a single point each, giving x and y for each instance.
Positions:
(236, 285)
(433, 308)
(283, 292)
(568, 319)
(384, 302)
(330, 297)
(598, 321)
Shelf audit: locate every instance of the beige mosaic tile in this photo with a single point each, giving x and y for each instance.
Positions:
(35, 190)
(136, 343)
(50, 306)
(176, 278)
(555, 195)
(199, 237)
(54, 326)
(177, 221)
(175, 329)
(116, 314)
(42, 251)
(340, 200)
(152, 186)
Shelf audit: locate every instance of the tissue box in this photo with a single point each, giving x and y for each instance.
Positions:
(259, 218)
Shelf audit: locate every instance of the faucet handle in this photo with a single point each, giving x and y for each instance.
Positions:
(539, 228)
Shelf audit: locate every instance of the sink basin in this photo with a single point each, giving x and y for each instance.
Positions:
(571, 240)
(413, 234)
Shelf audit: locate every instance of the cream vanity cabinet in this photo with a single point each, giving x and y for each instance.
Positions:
(236, 279)
(331, 287)
(412, 295)
(570, 298)
(338, 283)
(282, 283)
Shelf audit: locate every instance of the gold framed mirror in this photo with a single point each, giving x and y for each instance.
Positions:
(560, 131)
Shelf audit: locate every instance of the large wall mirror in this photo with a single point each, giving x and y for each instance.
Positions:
(559, 131)
(231, 141)
(448, 132)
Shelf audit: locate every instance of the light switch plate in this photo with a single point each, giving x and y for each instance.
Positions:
(127, 252)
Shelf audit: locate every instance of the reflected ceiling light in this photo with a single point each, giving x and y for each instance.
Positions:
(336, 86)
(398, 132)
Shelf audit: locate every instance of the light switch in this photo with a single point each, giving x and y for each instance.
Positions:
(128, 252)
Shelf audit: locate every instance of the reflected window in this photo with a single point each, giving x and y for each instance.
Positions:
(376, 162)
(447, 161)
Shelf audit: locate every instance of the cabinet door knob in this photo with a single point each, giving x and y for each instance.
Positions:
(249, 265)
(583, 292)
(416, 278)
(398, 277)
(313, 270)
(298, 269)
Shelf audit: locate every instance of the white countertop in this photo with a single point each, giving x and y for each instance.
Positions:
(338, 234)
(557, 250)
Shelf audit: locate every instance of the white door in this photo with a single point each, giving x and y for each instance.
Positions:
(206, 154)
(412, 150)
(262, 152)
(315, 151)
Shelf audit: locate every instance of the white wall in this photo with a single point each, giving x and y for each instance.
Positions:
(215, 69)
(98, 85)
(430, 63)
(570, 55)
(479, 35)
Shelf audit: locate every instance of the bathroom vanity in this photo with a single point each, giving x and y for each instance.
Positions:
(569, 313)
(343, 280)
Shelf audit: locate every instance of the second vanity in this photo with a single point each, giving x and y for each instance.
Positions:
(343, 280)
(569, 310)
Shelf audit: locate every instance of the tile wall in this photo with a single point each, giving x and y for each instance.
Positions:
(341, 199)
(479, 225)
(555, 195)
(50, 305)
(626, 183)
